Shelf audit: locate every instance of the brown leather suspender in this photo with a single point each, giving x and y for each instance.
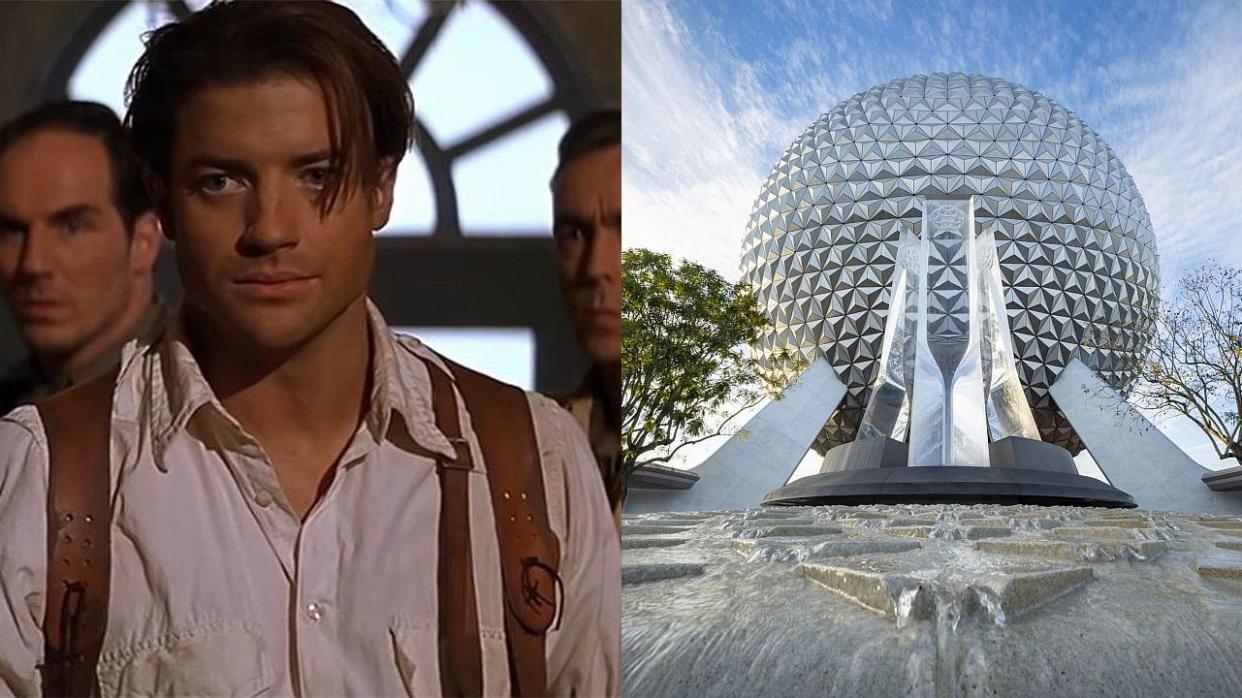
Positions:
(529, 553)
(78, 423)
(461, 654)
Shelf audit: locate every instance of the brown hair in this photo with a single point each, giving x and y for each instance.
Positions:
(98, 121)
(595, 130)
(370, 109)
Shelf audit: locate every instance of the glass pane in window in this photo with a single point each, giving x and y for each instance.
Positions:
(502, 189)
(393, 21)
(504, 353)
(100, 75)
(413, 201)
(478, 71)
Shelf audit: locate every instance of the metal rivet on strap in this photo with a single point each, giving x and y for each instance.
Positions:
(68, 517)
(89, 518)
(505, 495)
(512, 518)
(523, 496)
(68, 538)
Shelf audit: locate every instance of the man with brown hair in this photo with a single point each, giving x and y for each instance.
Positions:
(586, 202)
(300, 501)
(78, 242)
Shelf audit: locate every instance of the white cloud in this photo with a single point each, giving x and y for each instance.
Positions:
(694, 156)
(1185, 151)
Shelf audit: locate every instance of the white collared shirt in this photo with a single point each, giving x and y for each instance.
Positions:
(218, 588)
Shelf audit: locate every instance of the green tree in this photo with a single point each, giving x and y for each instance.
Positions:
(1195, 365)
(685, 332)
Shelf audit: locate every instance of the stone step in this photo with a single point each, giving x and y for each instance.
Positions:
(1076, 551)
(994, 597)
(863, 515)
(689, 523)
(922, 531)
(646, 542)
(1221, 564)
(874, 591)
(1118, 523)
(1023, 591)
(908, 521)
(977, 532)
(996, 523)
(776, 550)
(1095, 532)
(770, 515)
(757, 523)
(634, 574)
(648, 529)
(796, 531)
(1223, 525)
(1230, 544)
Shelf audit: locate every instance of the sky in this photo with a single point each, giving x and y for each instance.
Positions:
(715, 91)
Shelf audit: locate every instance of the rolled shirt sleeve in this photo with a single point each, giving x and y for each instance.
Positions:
(23, 550)
(584, 654)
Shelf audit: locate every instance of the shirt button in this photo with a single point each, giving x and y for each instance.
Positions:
(263, 498)
(314, 611)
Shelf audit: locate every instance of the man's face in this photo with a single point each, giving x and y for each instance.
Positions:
(587, 203)
(66, 266)
(248, 168)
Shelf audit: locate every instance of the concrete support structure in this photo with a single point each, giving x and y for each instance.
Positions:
(1131, 451)
(761, 456)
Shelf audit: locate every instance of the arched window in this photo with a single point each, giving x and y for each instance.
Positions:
(494, 88)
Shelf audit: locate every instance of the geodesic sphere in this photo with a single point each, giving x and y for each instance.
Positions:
(1076, 248)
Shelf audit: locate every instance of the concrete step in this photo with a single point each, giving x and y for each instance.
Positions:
(1221, 564)
(1095, 532)
(1098, 551)
(1118, 523)
(629, 529)
(994, 522)
(778, 550)
(1024, 591)
(796, 531)
(977, 532)
(634, 574)
(630, 543)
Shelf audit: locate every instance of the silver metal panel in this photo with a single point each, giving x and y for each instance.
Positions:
(1009, 414)
(761, 456)
(888, 409)
(947, 422)
(1132, 452)
(1075, 244)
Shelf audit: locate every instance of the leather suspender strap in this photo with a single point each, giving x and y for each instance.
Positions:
(461, 654)
(78, 424)
(529, 552)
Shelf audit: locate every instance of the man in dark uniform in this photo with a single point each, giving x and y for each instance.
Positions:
(586, 195)
(78, 242)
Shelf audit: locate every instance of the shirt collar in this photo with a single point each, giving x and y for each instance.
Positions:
(399, 385)
(46, 384)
